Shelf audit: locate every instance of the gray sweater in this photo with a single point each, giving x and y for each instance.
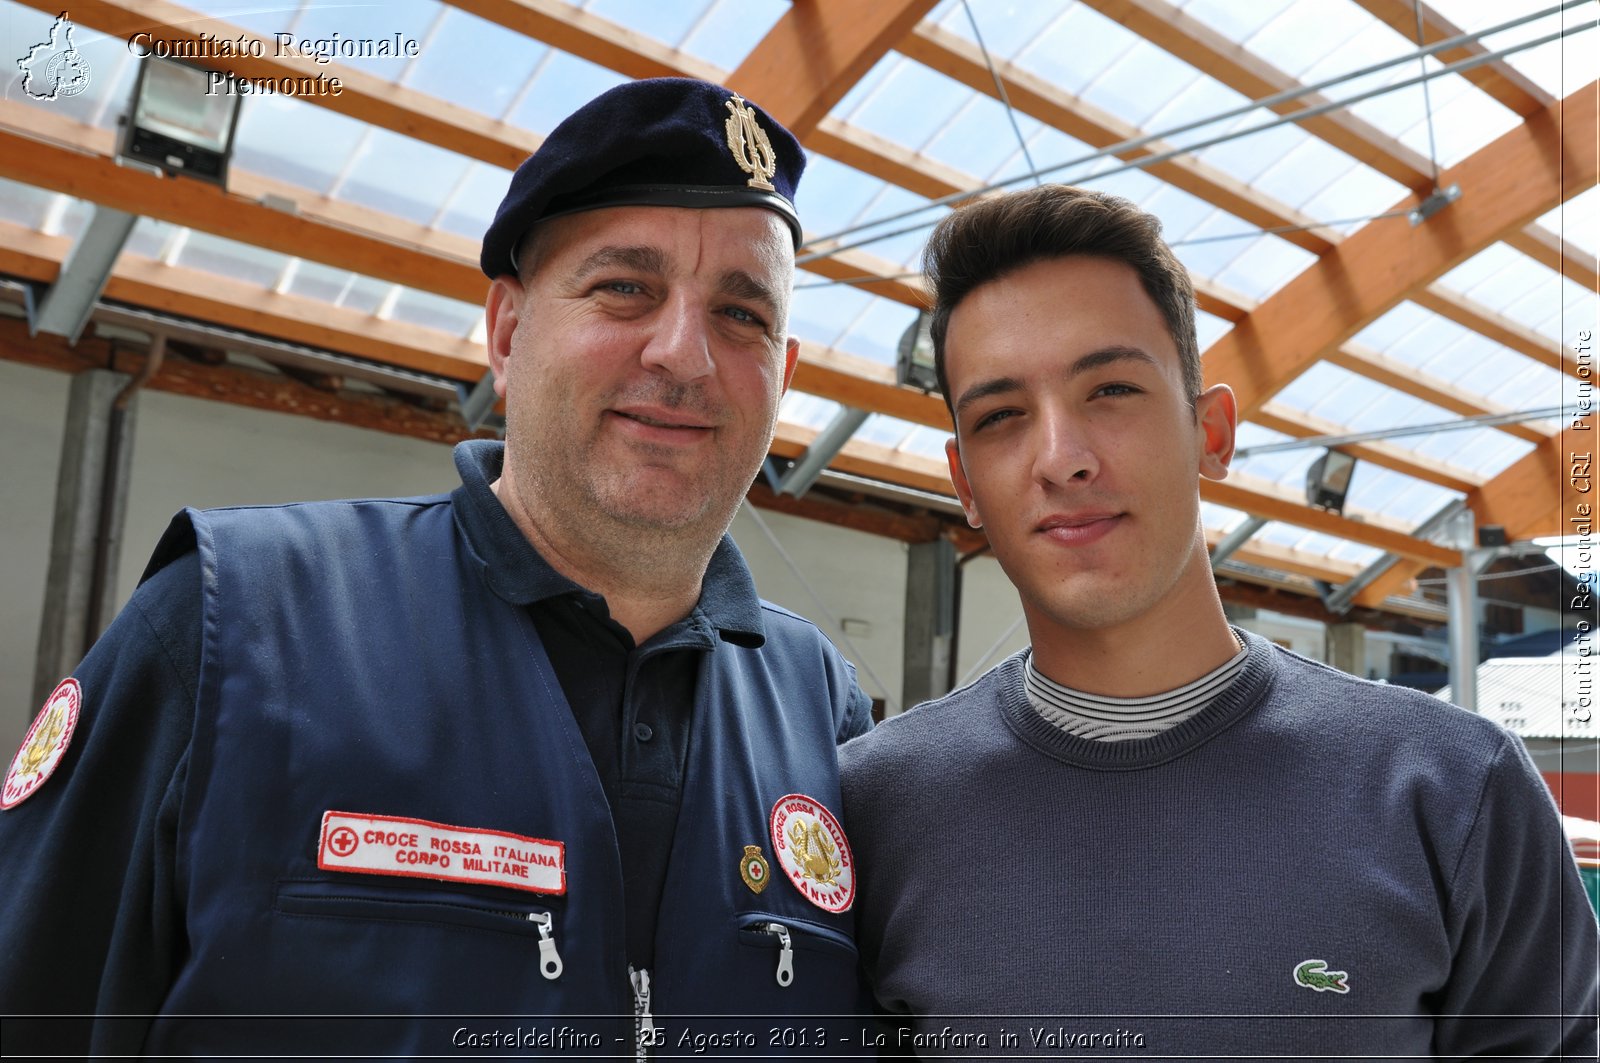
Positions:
(1314, 865)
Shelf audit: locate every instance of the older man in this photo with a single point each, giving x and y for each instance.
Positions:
(1150, 833)
(533, 747)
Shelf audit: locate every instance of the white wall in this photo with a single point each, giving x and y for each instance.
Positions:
(33, 404)
(844, 577)
(196, 452)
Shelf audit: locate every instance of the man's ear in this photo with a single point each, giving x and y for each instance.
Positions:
(502, 312)
(958, 477)
(791, 358)
(1217, 415)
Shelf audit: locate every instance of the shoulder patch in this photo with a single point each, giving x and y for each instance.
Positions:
(45, 744)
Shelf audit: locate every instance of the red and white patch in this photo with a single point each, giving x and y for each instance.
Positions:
(45, 745)
(813, 852)
(394, 845)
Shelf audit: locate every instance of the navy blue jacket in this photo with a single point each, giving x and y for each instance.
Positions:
(357, 657)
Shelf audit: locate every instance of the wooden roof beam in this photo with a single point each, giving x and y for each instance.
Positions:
(1300, 425)
(1529, 499)
(1280, 506)
(1550, 250)
(1391, 372)
(816, 53)
(1519, 176)
(1509, 86)
(1208, 51)
(962, 60)
(1496, 327)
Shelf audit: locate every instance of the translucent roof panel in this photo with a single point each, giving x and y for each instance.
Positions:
(1221, 518)
(561, 83)
(876, 333)
(1358, 404)
(414, 20)
(1530, 293)
(231, 259)
(435, 311)
(833, 196)
(1296, 538)
(461, 41)
(726, 30)
(1577, 221)
(666, 23)
(1453, 354)
(323, 141)
(24, 205)
(401, 176)
(1560, 67)
(812, 411)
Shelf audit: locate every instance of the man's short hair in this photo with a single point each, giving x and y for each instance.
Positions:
(994, 237)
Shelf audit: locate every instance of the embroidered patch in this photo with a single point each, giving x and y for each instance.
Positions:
(394, 845)
(813, 852)
(1314, 974)
(45, 745)
(753, 869)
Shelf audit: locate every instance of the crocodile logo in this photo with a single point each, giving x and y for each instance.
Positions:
(1314, 974)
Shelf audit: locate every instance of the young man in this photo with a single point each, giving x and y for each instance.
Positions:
(1151, 832)
(531, 748)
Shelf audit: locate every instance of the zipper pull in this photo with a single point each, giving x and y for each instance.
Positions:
(646, 1034)
(785, 953)
(550, 964)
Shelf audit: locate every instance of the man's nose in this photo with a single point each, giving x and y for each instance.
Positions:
(679, 344)
(1066, 454)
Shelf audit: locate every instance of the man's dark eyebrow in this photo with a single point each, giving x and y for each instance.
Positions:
(1107, 355)
(641, 259)
(999, 385)
(1091, 361)
(737, 284)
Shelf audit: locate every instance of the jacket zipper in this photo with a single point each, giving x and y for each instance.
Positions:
(644, 1026)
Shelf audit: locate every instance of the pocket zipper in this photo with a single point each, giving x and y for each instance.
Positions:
(785, 950)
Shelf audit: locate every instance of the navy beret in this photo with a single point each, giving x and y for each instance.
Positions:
(666, 142)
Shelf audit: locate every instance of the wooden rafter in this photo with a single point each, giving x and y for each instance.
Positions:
(817, 51)
(1519, 176)
(1385, 455)
(1203, 48)
(1526, 499)
(830, 374)
(1497, 327)
(1391, 372)
(960, 59)
(1499, 79)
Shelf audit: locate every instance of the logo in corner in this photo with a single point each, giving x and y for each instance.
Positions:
(1314, 974)
(45, 745)
(55, 68)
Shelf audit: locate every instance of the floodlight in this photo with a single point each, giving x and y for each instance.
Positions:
(915, 365)
(174, 122)
(1328, 480)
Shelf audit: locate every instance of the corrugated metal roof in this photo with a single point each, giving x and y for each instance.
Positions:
(1538, 697)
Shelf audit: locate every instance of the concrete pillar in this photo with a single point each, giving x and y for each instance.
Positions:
(930, 620)
(1461, 584)
(1346, 648)
(91, 503)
